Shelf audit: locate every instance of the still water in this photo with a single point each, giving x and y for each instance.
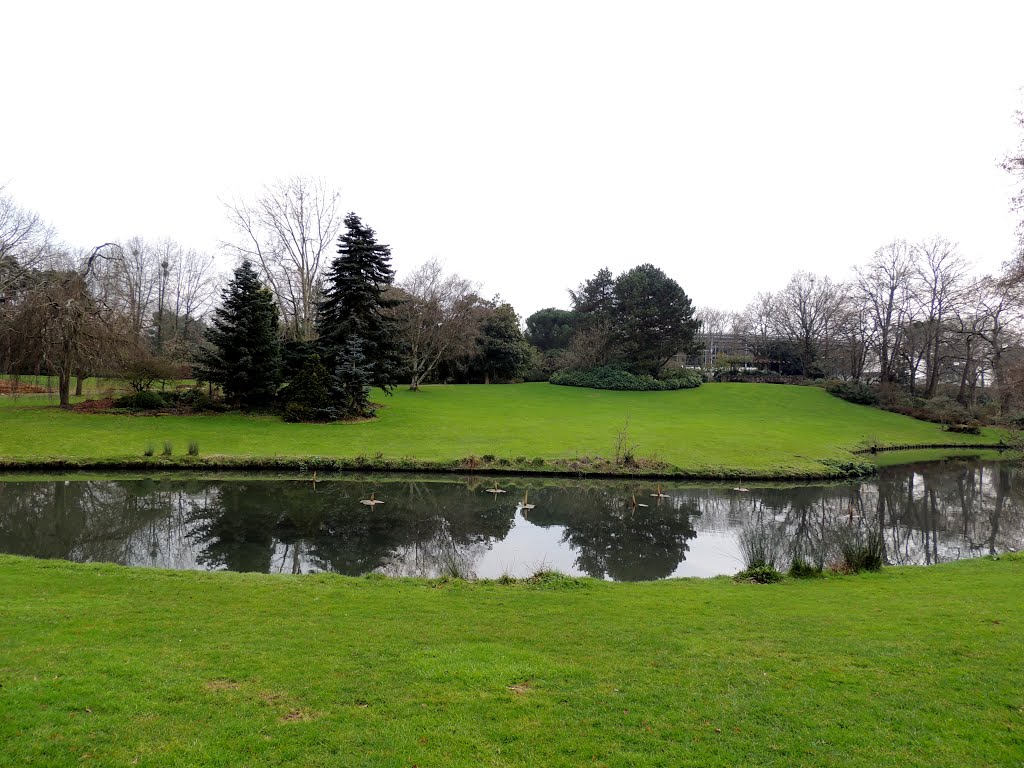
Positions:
(428, 526)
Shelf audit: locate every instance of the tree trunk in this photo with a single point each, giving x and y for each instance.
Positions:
(64, 387)
(78, 384)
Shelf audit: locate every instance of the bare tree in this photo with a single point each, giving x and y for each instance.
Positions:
(807, 314)
(884, 288)
(61, 322)
(937, 285)
(440, 317)
(288, 232)
(24, 242)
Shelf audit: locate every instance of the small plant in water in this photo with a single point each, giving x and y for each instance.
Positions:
(761, 545)
(168, 448)
(193, 448)
(150, 450)
(860, 546)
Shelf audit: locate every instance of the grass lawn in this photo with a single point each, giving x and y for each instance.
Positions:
(752, 430)
(104, 665)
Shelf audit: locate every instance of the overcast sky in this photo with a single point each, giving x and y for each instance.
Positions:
(529, 144)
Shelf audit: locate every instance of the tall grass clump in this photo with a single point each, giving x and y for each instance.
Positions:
(859, 545)
(193, 448)
(168, 448)
(762, 547)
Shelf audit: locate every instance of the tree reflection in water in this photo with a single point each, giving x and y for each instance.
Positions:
(926, 513)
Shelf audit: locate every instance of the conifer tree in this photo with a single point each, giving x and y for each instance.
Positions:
(359, 340)
(243, 352)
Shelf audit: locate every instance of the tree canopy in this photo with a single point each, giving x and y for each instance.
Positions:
(358, 337)
(243, 352)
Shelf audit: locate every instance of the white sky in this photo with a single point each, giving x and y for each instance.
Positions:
(527, 144)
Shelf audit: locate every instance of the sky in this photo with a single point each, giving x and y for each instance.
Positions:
(528, 144)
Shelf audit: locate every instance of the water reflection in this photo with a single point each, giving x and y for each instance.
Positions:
(426, 527)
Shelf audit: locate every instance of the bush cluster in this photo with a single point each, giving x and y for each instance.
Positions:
(608, 377)
(141, 401)
(853, 391)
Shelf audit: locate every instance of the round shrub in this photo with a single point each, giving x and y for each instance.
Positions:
(141, 401)
(854, 392)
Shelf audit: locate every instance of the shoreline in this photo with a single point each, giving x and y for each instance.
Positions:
(559, 468)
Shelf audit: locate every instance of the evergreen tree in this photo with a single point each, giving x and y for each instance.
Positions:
(359, 340)
(653, 319)
(504, 353)
(308, 395)
(243, 353)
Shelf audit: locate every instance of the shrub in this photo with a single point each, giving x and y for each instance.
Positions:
(762, 574)
(963, 429)
(853, 391)
(150, 450)
(801, 569)
(193, 448)
(168, 448)
(141, 401)
(761, 546)
(860, 546)
(609, 377)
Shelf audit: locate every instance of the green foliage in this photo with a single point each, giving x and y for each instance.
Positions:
(243, 353)
(193, 448)
(141, 401)
(503, 352)
(610, 377)
(150, 450)
(549, 329)
(307, 397)
(760, 574)
(359, 340)
(801, 569)
(168, 448)
(853, 392)
(860, 546)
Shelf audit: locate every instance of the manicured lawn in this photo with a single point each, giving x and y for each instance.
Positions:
(103, 665)
(750, 429)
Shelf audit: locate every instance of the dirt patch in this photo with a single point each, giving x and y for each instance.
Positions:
(93, 406)
(221, 685)
(520, 689)
(297, 716)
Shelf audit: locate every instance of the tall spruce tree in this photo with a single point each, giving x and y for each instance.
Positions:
(243, 352)
(359, 340)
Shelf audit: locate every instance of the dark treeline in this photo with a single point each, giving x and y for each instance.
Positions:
(314, 317)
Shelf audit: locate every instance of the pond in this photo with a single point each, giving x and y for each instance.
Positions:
(430, 526)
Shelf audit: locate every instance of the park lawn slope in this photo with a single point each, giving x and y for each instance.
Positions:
(105, 665)
(718, 430)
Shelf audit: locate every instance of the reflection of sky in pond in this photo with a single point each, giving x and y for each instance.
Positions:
(433, 526)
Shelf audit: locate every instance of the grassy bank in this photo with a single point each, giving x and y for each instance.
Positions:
(719, 430)
(102, 665)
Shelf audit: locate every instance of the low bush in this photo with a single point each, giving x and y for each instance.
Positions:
(610, 377)
(762, 546)
(963, 429)
(141, 401)
(853, 391)
(801, 569)
(761, 574)
(860, 546)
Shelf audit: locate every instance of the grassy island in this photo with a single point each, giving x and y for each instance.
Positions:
(718, 430)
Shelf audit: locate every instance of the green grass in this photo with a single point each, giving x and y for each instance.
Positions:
(751, 430)
(103, 665)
